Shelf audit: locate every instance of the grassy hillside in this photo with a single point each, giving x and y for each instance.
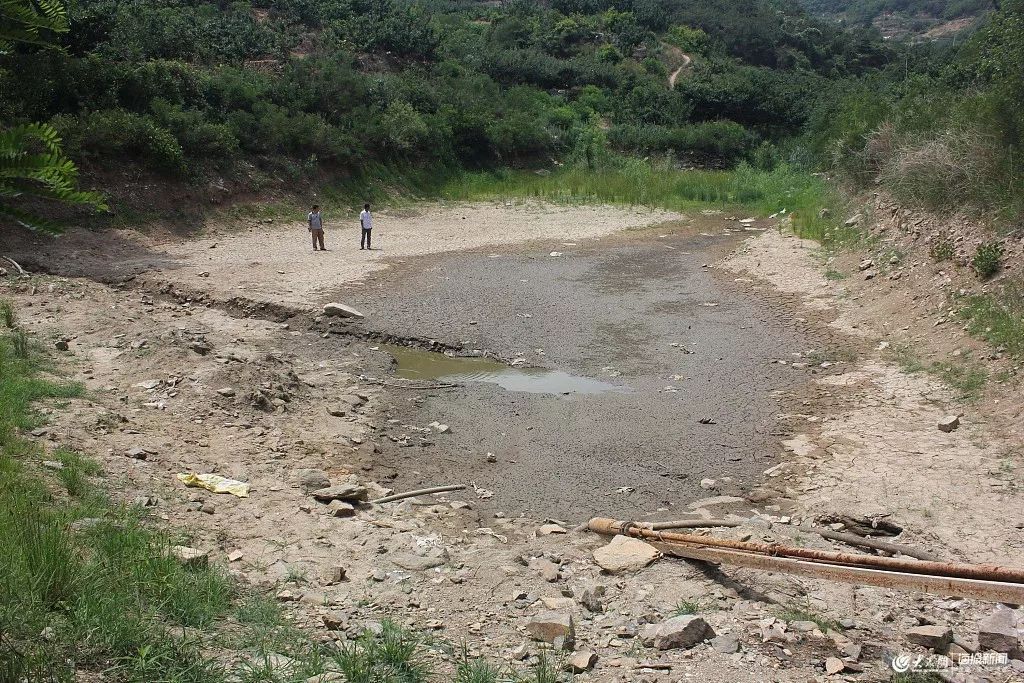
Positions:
(185, 99)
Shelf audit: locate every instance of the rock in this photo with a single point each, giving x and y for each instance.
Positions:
(557, 628)
(339, 508)
(548, 529)
(592, 597)
(707, 484)
(208, 508)
(337, 310)
(726, 644)
(854, 220)
(137, 453)
(581, 661)
(949, 423)
(834, 665)
(61, 344)
(556, 603)
(310, 480)
(933, 637)
(434, 557)
(865, 264)
(335, 621)
(226, 391)
(677, 632)
(190, 557)
(235, 555)
(337, 411)
(53, 464)
(998, 631)
(625, 554)
(335, 574)
(548, 570)
(439, 428)
(802, 626)
(347, 492)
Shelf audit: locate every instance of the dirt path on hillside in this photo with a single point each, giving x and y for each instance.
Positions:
(808, 415)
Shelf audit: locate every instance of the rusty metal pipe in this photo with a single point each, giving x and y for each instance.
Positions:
(985, 572)
(849, 539)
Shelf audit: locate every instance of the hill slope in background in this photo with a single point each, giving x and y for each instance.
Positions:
(183, 101)
(920, 19)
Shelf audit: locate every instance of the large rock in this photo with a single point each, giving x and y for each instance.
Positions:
(346, 492)
(933, 637)
(556, 628)
(190, 557)
(419, 562)
(310, 480)
(998, 631)
(677, 632)
(625, 554)
(581, 661)
(341, 311)
(949, 423)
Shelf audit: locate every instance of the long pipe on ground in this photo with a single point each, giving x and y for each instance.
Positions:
(849, 539)
(419, 492)
(603, 525)
(993, 591)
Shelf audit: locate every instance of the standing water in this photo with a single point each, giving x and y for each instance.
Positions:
(416, 364)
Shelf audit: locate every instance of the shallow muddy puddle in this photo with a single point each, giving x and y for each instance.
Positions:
(416, 364)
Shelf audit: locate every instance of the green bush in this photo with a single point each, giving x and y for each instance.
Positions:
(122, 133)
(942, 248)
(987, 259)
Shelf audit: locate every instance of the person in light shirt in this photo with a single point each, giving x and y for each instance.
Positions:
(316, 227)
(366, 223)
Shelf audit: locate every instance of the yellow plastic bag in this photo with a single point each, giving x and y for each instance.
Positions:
(215, 483)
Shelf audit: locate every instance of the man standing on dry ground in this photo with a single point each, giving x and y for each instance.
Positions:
(366, 223)
(316, 227)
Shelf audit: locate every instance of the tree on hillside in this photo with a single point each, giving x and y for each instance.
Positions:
(32, 164)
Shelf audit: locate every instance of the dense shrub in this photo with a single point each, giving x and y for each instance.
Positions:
(722, 139)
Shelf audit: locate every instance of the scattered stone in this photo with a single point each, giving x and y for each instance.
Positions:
(336, 574)
(998, 631)
(190, 557)
(558, 602)
(137, 453)
(557, 628)
(949, 423)
(802, 626)
(226, 391)
(208, 508)
(865, 264)
(53, 464)
(335, 621)
(933, 637)
(592, 597)
(235, 555)
(581, 661)
(433, 557)
(726, 644)
(854, 220)
(339, 508)
(310, 480)
(346, 492)
(548, 529)
(707, 484)
(439, 428)
(337, 411)
(677, 632)
(341, 311)
(548, 570)
(61, 344)
(625, 554)
(834, 665)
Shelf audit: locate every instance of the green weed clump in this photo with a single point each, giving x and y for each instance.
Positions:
(987, 259)
(942, 249)
(998, 316)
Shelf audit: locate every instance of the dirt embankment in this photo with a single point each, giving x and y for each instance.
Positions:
(181, 381)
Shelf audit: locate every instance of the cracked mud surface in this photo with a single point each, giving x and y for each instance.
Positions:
(640, 311)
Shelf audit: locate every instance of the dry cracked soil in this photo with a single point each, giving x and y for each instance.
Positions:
(739, 381)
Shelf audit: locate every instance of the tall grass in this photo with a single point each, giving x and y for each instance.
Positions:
(998, 316)
(643, 183)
